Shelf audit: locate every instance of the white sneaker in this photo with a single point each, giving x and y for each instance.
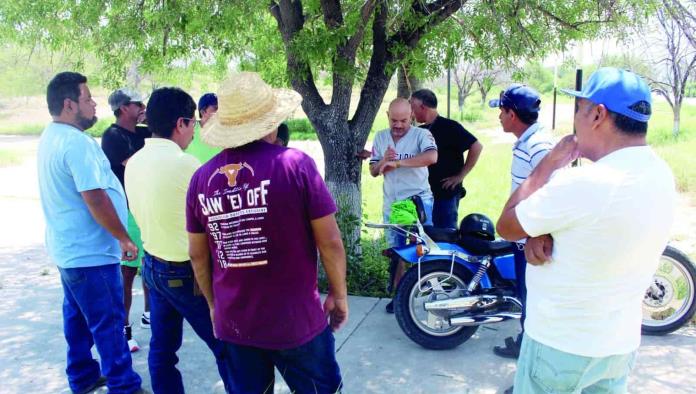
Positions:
(133, 345)
(145, 320)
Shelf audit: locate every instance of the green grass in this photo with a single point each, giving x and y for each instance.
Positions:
(10, 157)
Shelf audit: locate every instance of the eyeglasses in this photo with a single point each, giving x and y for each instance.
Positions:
(197, 121)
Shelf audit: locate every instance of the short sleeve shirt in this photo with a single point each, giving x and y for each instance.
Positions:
(119, 144)
(452, 141)
(610, 222)
(157, 180)
(70, 162)
(527, 152)
(256, 204)
(404, 182)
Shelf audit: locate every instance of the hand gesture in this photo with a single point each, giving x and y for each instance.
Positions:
(390, 154)
(129, 251)
(564, 152)
(387, 166)
(451, 182)
(538, 250)
(336, 309)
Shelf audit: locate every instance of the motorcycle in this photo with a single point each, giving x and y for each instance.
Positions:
(459, 281)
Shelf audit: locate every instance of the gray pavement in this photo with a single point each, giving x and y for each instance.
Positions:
(374, 355)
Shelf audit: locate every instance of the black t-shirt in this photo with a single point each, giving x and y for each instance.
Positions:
(452, 141)
(120, 144)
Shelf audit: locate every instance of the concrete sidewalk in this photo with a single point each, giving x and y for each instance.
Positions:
(374, 355)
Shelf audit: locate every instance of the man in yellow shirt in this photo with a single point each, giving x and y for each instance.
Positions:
(156, 179)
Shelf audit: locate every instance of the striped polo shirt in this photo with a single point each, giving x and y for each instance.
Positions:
(527, 152)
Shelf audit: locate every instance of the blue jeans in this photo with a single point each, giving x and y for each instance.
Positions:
(543, 369)
(397, 239)
(309, 368)
(93, 314)
(445, 211)
(520, 273)
(172, 300)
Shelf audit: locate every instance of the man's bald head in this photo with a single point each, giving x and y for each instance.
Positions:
(399, 115)
(399, 104)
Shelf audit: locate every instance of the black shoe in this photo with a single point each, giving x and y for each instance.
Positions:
(510, 390)
(101, 381)
(390, 307)
(510, 350)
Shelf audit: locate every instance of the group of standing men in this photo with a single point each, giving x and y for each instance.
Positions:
(583, 233)
(213, 251)
(214, 236)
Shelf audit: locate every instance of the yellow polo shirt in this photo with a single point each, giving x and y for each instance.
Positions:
(157, 179)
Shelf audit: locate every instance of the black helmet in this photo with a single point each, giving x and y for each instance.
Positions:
(478, 226)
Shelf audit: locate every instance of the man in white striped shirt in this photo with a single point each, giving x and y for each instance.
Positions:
(519, 110)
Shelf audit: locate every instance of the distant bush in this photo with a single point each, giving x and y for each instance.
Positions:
(301, 130)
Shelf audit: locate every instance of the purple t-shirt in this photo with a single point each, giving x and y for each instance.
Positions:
(255, 203)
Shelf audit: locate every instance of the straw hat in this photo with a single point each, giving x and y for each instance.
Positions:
(248, 110)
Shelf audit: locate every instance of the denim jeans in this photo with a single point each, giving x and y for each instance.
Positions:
(309, 368)
(520, 273)
(445, 211)
(397, 239)
(543, 369)
(172, 299)
(93, 314)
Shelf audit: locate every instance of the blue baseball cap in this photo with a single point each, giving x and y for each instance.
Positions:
(520, 98)
(617, 90)
(207, 100)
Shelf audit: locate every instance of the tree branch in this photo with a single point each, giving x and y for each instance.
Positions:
(290, 19)
(333, 15)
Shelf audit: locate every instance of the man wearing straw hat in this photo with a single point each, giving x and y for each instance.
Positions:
(157, 177)
(256, 214)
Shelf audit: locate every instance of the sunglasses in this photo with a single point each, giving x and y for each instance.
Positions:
(508, 102)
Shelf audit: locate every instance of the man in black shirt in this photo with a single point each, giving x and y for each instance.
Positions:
(119, 142)
(447, 174)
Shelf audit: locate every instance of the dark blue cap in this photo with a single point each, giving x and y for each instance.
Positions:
(616, 89)
(519, 97)
(207, 100)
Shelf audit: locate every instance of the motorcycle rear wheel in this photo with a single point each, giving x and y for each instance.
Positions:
(424, 328)
(670, 301)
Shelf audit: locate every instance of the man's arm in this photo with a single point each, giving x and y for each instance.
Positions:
(104, 213)
(423, 159)
(508, 225)
(200, 261)
(472, 157)
(333, 258)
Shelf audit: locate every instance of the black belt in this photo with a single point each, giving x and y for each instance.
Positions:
(178, 263)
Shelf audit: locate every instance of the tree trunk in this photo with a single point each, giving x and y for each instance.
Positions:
(406, 83)
(675, 126)
(484, 96)
(461, 98)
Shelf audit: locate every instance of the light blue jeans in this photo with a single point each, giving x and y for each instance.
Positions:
(543, 369)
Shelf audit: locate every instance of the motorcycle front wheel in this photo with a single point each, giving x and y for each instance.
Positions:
(670, 301)
(430, 330)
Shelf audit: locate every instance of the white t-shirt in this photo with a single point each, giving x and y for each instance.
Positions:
(404, 182)
(610, 222)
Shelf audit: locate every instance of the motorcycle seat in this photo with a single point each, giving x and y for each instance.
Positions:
(439, 234)
(483, 247)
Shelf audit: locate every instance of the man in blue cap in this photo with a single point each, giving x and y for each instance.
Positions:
(207, 107)
(609, 222)
(519, 113)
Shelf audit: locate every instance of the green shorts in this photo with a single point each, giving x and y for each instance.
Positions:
(134, 232)
(543, 369)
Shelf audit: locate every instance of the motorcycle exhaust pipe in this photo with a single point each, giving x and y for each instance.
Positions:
(478, 320)
(468, 302)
